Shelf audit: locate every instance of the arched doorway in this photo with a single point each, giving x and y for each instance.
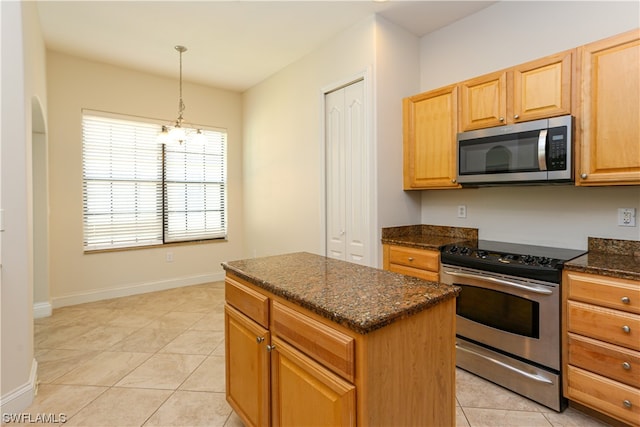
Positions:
(40, 191)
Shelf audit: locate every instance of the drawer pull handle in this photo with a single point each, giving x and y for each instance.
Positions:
(271, 348)
(259, 339)
(627, 403)
(410, 259)
(626, 300)
(626, 329)
(626, 366)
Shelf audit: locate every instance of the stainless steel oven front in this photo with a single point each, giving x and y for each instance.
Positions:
(508, 331)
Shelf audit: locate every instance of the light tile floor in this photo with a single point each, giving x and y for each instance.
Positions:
(157, 359)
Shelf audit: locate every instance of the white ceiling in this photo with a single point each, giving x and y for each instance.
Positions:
(231, 44)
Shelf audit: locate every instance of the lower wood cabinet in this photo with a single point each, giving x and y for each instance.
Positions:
(421, 263)
(305, 370)
(247, 367)
(306, 393)
(602, 344)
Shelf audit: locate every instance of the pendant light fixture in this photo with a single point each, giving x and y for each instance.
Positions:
(177, 133)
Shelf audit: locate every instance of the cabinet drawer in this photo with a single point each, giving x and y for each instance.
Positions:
(251, 303)
(416, 258)
(324, 344)
(610, 292)
(604, 324)
(617, 363)
(610, 397)
(431, 276)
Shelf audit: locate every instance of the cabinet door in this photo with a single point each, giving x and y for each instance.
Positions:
(483, 101)
(610, 151)
(430, 127)
(305, 393)
(542, 88)
(247, 368)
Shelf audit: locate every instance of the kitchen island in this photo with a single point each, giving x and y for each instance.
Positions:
(313, 340)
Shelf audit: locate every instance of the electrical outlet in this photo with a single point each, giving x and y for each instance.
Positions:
(627, 217)
(462, 211)
(169, 256)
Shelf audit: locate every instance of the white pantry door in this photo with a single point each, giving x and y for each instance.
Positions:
(347, 175)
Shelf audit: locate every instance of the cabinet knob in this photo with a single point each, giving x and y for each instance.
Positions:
(516, 116)
(454, 180)
(627, 403)
(410, 259)
(259, 339)
(626, 329)
(625, 300)
(626, 366)
(583, 176)
(501, 119)
(271, 347)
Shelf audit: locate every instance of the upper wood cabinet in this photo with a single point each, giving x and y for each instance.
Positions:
(609, 149)
(430, 127)
(530, 91)
(483, 101)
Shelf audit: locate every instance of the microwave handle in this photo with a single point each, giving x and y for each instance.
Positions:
(542, 150)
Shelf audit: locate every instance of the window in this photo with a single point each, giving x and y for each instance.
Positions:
(137, 192)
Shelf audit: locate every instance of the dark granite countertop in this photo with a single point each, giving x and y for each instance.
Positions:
(609, 257)
(360, 298)
(430, 237)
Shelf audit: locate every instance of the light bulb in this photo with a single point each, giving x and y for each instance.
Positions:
(177, 134)
(163, 136)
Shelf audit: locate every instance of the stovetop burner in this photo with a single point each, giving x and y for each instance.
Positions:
(534, 262)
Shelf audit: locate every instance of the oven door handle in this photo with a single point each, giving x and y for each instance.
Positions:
(532, 288)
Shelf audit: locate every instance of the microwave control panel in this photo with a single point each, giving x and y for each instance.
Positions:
(557, 149)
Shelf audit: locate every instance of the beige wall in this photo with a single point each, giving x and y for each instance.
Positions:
(506, 34)
(75, 84)
(284, 147)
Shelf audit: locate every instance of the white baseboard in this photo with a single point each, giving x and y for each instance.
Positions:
(42, 309)
(20, 398)
(133, 289)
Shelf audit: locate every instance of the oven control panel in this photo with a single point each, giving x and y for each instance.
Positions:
(524, 265)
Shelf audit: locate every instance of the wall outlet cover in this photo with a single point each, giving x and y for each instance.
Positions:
(627, 217)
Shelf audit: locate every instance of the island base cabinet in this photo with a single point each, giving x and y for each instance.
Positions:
(305, 370)
(247, 368)
(305, 393)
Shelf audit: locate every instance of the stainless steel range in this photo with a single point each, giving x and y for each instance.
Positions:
(508, 314)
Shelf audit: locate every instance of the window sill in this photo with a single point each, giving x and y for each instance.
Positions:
(163, 245)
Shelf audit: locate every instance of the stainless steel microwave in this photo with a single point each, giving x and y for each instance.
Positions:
(535, 152)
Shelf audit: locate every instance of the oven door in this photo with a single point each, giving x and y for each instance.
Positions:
(510, 314)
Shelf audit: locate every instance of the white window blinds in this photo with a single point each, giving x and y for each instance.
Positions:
(195, 188)
(138, 192)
